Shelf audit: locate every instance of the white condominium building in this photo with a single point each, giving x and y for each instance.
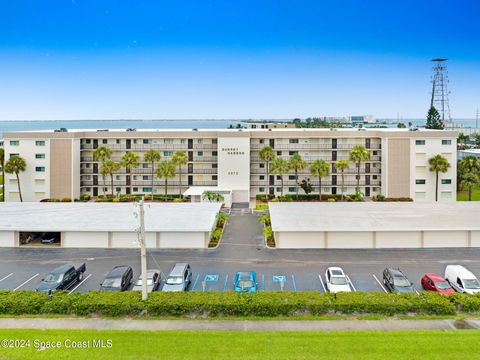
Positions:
(60, 162)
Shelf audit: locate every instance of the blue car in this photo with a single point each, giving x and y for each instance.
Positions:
(245, 281)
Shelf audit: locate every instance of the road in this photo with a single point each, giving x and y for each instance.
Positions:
(242, 249)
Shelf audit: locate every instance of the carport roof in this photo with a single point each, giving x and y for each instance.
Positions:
(374, 216)
(52, 217)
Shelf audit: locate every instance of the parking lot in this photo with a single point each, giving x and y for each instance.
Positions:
(242, 249)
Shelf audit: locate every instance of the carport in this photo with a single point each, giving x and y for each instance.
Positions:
(109, 225)
(369, 225)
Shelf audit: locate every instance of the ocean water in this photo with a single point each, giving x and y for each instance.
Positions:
(157, 124)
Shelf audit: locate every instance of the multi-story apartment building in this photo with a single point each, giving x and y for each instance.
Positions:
(60, 163)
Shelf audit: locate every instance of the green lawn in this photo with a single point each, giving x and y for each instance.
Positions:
(171, 345)
(463, 195)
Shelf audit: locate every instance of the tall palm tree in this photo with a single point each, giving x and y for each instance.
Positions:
(109, 167)
(438, 164)
(467, 165)
(16, 165)
(469, 181)
(359, 154)
(342, 165)
(179, 159)
(166, 170)
(102, 154)
(296, 163)
(152, 156)
(2, 165)
(279, 166)
(130, 160)
(267, 155)
(321, 169)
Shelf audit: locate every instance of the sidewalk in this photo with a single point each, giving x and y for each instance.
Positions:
(237, 325)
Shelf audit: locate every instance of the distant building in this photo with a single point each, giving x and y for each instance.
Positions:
(361, 119)
(269, 125)
(469, 152)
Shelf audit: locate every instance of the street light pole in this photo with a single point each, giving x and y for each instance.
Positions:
(143, 251)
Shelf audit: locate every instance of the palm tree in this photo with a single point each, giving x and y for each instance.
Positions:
(342, 165)
(109, 167)
(16, 165)
(469, 181)
(152, 156)
(438, 164)
(166, 170)
(358, 154)
(179, 159)
(320, 168)
(2, 165)
(102, 154)
(467, 165)
(267, 155)
(296, 163)
(130, 160)
(279, 166)
(212, 196)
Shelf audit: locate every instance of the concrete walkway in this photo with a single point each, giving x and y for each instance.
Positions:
(237, 325)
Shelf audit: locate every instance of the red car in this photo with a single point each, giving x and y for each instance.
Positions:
(434, 282)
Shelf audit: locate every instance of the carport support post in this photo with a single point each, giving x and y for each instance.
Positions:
(143, 252)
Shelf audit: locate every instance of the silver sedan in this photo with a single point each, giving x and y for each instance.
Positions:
(153, 281)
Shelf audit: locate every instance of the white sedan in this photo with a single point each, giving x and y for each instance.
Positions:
(336, 280)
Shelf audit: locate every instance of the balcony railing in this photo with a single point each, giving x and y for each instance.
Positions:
(146, 147)
(149, 171)
(307, 171)
(311, 158)
(312, 146)
(313, 182)
(147, 183)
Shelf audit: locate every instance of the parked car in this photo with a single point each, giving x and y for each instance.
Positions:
(153, 281)
(50, 238)
(179, 278)
(434, 282)
(461, 279)
(118, 279)
(336, 280)
(396, 281)
(245, 281)
(61, 278)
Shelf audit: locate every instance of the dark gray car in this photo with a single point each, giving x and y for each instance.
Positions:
(397, 282)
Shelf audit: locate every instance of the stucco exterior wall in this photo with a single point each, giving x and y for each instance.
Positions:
(7, 238)
(84, 239)
(185, 240)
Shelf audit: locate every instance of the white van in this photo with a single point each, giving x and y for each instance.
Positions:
(461, 279)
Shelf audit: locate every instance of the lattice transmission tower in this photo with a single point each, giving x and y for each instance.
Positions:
(440, 89)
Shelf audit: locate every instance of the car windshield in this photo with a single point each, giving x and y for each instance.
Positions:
(53, 278)
(471, 284)
(401, 281)
(245, 284)
(112, 282)
(442, 285)
(139, 281)
(338, 280)
(174, 280)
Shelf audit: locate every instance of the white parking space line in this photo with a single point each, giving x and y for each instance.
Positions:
(81, 282)
(6, 277)
(321, 282)
(351, 283)
(19, 286)
(379, 283)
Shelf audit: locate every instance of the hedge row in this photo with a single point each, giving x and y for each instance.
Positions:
(229, 303)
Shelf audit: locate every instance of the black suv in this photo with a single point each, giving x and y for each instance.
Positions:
(61, 278)
(119, 279)
(396, 281)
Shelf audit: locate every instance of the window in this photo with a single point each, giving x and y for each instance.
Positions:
(291, 177)
(145, 177)
(261, 141)
(293, 141)
(261, 189)
(14, 142)
(168, 141)
(279, 153)
(214, 141)
(214, 166)
(104, 141)
(214, 153)
(135, 189)
(199, 141)
(145, 165)
(446, 181)
(262, 177)
(279, 189)
(200, 153)
(40, 168)
(88, 141)
(39, 156)
(147, 189)
(292, 153)
(146, 141)
(40, 143)
(291, 189)
(13, 155)
(375, 153)
(117, 141)
(419, 142)
(446, 142)
(167, 153)
(420, 181)
(117, 177)
(214, 177)
(261, 166)
(183, 141)
(118, 189)
(135, 177)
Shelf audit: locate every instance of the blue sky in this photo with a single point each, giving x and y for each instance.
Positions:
(79, 59)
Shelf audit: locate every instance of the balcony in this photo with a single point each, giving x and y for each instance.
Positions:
(326, 182)
(307, 171)
(146, 147)
(312, 146)
(146, 183)
(147, 171)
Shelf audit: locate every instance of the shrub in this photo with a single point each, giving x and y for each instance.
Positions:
(66, 200)
(85, 197)
(331, 200)
(466, 303)
(222, 218)
(263, 207)
(178, 200)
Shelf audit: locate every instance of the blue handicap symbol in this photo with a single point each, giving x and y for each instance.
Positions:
(211, 277)
(279, 278)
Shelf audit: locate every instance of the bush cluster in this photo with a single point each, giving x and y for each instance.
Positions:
(381, 198)
(230, 303)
